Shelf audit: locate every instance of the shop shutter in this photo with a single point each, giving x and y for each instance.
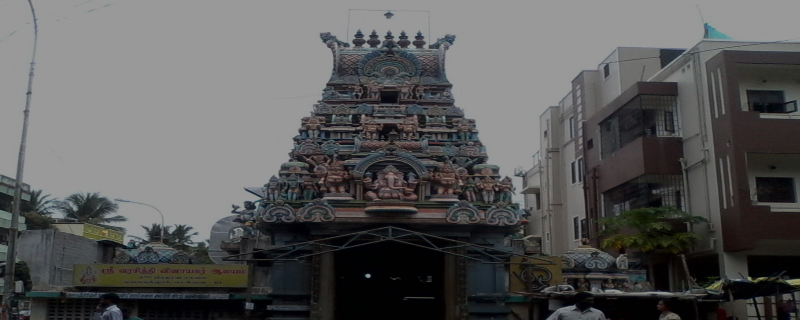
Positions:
(70, 309)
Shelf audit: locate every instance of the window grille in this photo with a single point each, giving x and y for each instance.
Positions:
(645, 191)
(645, 115)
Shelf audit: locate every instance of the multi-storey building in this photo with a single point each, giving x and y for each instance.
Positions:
(711, 133)
(7, 186)
(554, 188)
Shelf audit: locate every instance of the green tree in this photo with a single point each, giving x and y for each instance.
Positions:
(91, 208)
(40, 204)
(154, 233)
(181, 237)
(651, 231)
(200, 253)
(37, 211)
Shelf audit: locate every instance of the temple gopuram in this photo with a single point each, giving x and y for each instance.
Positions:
(387, 206)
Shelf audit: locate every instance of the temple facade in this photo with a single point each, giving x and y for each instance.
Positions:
(387, 205)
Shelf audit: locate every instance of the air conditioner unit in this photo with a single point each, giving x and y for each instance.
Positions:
(711, 227)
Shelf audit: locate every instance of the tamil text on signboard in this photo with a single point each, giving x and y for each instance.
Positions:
(181, 275)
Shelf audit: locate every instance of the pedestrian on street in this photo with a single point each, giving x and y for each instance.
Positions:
(582, 310)
(666, 306)
(107, 309)
(126, 315)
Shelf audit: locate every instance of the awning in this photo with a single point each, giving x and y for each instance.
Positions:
(741, 289)
(531, 190)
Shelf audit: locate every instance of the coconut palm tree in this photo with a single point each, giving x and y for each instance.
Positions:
(37, 211)
(181, 237)
(154, 233)
(91, 208)
(40, 204)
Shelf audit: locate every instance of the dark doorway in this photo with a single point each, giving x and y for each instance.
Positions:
(389, 281)
(390, 97)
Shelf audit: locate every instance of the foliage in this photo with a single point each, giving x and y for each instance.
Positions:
(200, 254)
(651, 230)
(179, 238)
(91, 208)
(35, 221)
(21, 273)
(40, 204)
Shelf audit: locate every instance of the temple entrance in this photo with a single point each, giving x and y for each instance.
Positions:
(389, 281)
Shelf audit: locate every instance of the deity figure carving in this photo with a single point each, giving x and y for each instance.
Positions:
(622, 261)
(372, 129)
(506, 190)
(374, 91)
(357, 92)
(405, 92)
(272, 189)
(390, 185)
(335, 180)
(248, 214)
(487, 186)
(310, 189)
(464, 128)
(317, 158)
(408, 129)
(329, 93)
(293, 188)
(311, 127)
(282, 183)
(447, 181)
(470, 189)
(419, 92)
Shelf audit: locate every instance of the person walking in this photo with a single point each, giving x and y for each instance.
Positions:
(666, 306)
(582, 310)
(107, 309)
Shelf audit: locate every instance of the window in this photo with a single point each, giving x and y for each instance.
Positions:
(606, 71)
(590, 144)
(547, 236)
(574, 172)
(669, 121)
(390, 97)
(769, 101)
(770, 189)
(537, 197)
(544, 134)
(577, 170)
(571, 127)
(584, 228)
(576, 228)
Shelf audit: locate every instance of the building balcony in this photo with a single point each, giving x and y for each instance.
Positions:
(5, 223)
(644, 155)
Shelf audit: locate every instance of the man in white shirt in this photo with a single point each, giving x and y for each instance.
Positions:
(582, 310)
(107, 309)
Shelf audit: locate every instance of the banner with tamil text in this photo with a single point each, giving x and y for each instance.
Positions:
(162, 275)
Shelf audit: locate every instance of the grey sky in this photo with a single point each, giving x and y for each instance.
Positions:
(181, 103)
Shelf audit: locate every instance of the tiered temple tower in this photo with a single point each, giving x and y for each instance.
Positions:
(385, 149)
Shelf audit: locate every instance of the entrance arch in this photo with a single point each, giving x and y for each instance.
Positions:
(389, 281)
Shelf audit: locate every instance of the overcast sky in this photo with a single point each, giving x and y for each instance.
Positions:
(182, 103)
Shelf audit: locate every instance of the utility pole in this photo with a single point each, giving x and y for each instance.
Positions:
(11, 256)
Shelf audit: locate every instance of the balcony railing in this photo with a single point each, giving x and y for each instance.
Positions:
(773, 107)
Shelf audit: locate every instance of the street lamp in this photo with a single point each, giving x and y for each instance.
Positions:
(159, 212)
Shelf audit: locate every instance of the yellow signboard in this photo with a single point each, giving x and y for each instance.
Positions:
(99, 233)
(162, 275)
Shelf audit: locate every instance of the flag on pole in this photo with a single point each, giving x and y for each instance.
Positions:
(711, 33)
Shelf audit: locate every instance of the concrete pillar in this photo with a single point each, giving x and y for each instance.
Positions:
(734, 266)
(39, 308)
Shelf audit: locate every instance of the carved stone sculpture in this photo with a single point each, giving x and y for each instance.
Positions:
(293, 188)
(390, 185)
(272, 190)
(408, 129)
(311, 127)
(248, 214)
(335, 180)
(506, 190)
(447, 180)
(464, 128)
(310, 189)
(470, 189)
(488, 187)
(372, 129)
